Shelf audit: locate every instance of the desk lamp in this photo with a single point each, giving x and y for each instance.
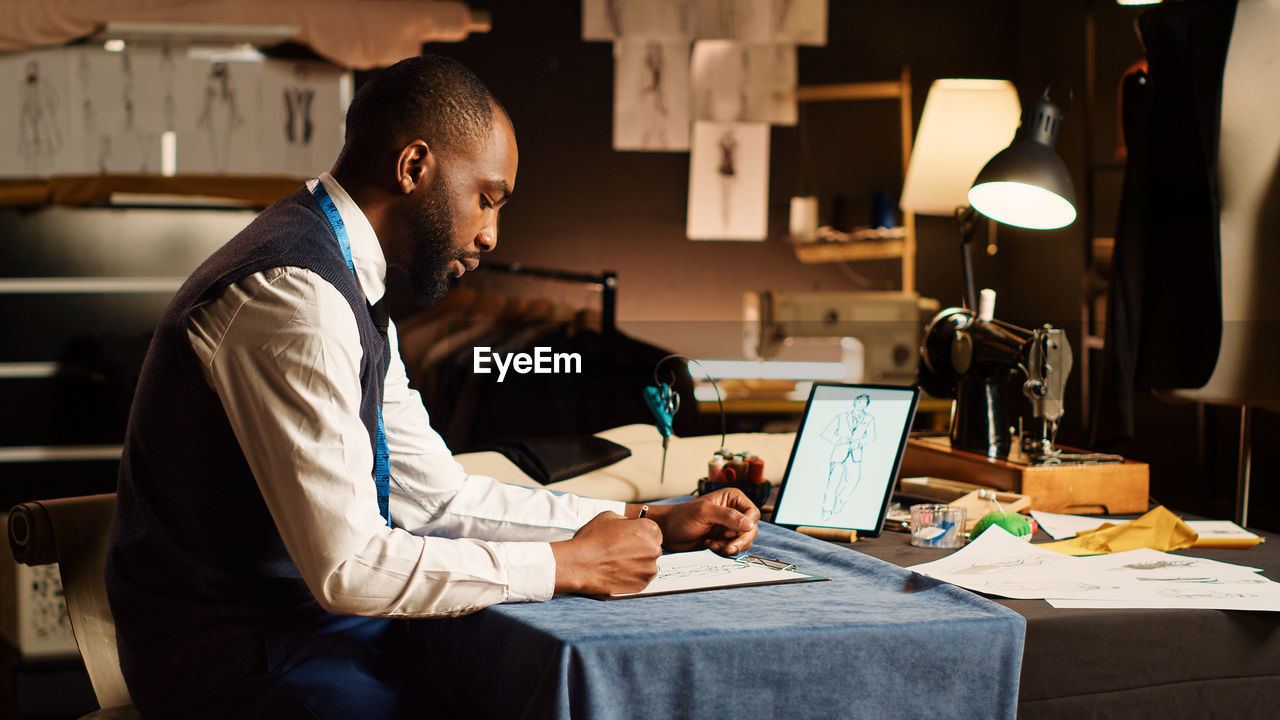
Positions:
(971, 356)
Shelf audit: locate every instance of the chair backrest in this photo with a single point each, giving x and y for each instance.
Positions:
(74, 533)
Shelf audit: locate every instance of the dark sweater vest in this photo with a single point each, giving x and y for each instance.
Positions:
(195, 557)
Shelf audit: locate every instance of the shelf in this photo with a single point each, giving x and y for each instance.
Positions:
(859, 250)
(251, 191)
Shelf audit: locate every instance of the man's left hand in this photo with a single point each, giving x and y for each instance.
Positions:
(723, 521)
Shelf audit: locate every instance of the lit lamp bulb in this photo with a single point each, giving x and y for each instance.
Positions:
(1026, 184)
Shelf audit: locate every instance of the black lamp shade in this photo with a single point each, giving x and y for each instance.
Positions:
(1026, 184)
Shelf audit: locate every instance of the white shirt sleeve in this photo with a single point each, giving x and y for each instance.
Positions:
(282, 351)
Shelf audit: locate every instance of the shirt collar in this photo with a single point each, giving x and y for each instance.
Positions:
(366, 252)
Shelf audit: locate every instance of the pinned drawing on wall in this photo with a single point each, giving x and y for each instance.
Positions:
(37, 120)
(750, 83)
(301, 120)
(637, 19)
(799, 22)
(651, 95)
(728, 181)
(220, 117)
(121, 108)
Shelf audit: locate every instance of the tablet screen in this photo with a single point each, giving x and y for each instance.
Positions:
(846, 456)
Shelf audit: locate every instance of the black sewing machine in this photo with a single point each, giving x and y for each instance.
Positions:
(975, 360)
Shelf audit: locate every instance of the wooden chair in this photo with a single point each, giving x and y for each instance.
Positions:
(73, 532)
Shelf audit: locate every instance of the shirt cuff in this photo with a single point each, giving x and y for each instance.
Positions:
(531, 571)
(588, 508)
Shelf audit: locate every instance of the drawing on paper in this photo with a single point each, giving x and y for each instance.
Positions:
(651, 95)
(848, 433)
(220, 116)
(38, 135)
(299, 126)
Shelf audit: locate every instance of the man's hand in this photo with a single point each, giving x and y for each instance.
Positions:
(724, 521)
(610, 554)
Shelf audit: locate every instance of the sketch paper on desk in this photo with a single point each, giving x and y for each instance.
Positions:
(1000, 564)
(1062, 527)
(705, 570)
(650, 95)
(754, 83)
(729, 182)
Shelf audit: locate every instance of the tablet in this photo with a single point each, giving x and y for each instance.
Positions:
(846, 457)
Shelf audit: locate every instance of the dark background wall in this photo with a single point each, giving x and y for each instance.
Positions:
(580, 205)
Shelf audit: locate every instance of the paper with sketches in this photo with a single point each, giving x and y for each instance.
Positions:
(802, 22)
(36, 120)
(1213, 533)
(733, 81)
(729, 182)
(1000, 564)
(637, 19)
(303, 105)
(1061, 527)
(650, 95)
(705, 570)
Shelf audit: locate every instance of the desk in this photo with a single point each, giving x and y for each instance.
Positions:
(874, 641)
(1139, 663)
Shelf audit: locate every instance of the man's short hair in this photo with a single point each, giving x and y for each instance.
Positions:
(429, 97)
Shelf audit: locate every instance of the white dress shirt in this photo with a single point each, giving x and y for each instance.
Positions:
(282, 351)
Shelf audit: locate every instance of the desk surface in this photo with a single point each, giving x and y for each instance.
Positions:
(1139, 663)
(873, 641)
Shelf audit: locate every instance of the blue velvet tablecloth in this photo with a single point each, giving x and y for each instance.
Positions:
(875, 641)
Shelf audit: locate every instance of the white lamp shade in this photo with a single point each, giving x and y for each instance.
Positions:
(965, 122)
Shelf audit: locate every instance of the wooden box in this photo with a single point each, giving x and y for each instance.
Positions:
(1103, 488)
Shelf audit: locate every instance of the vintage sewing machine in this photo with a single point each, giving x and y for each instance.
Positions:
(885, 324)
(977, 360)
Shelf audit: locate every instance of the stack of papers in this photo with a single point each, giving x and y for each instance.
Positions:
(998, 563)
(1213, 533)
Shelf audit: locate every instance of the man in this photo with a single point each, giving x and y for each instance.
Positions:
(256, 564)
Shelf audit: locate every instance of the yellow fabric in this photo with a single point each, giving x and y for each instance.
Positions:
(1159, 529)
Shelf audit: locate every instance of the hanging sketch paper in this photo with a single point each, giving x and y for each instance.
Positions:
(800, 22)
(36, 120)
(302, 112)
(217, 116)
(753, 83)
(729, 182)
(637, 19)
(651, 95)
(123, 102)
(705, 570)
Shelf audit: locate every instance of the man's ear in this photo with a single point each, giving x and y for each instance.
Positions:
(415, 167)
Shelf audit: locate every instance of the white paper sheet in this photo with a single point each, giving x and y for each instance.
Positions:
(733, 81)
(729, 182)
(650, 95)
(1061, 527)
(999, 564)
(705, 570)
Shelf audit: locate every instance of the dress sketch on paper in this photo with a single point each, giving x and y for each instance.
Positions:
(655, 133)
(38, 136)
(728, 174)
(744, 82)
(299, 125)
(848, 433)
(651, 95)
(636, 19)
(220, 114)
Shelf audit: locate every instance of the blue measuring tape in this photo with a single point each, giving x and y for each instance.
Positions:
(381, 456)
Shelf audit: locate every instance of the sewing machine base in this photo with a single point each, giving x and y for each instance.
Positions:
(1084, 488)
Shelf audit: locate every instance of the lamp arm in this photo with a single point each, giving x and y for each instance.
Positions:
(965, 221)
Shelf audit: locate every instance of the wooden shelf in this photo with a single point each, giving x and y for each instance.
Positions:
(252, 191)
(903, 248)
(860, 250)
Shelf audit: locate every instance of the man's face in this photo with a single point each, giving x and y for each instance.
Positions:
(457, 218)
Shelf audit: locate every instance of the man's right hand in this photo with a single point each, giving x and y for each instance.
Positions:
(610, 554)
